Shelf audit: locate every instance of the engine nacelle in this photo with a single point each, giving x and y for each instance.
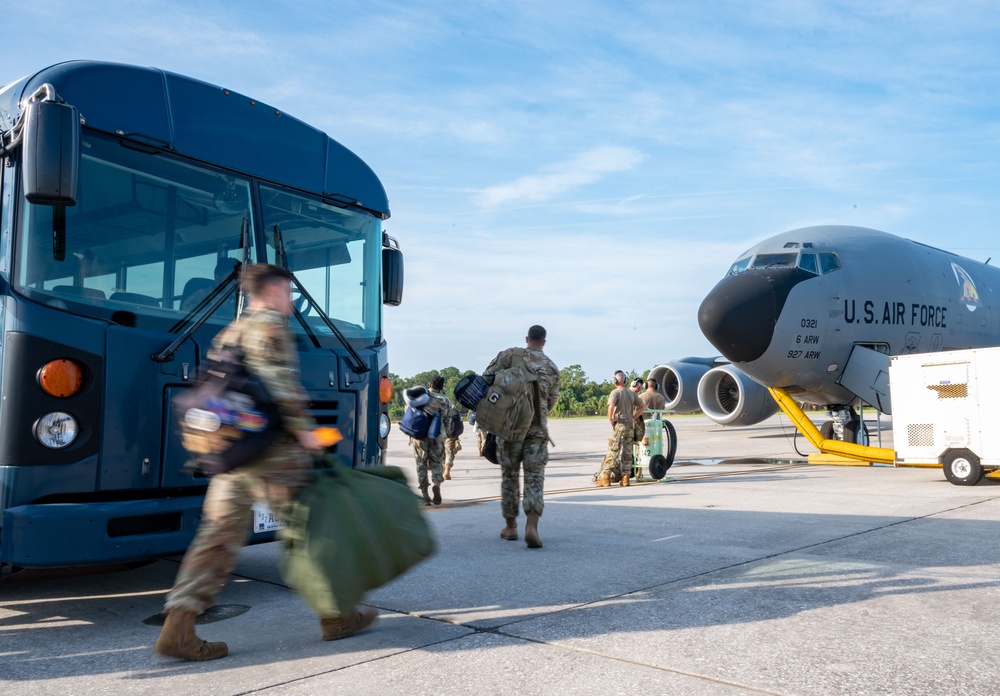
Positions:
(729, 397)
(679, 384)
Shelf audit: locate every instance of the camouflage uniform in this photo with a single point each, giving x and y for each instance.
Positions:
(533, 452)
(275, 478)
(619, 460)
(452, 446)
(429, 453)
(480, 439)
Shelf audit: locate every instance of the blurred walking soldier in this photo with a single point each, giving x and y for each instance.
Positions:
(452, 446)
(624, 407)
(275, 478)
(531, 453)
(429, 452)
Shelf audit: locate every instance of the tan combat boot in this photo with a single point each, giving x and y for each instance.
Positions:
(178, 639)
(624, 481)
(338, 627)
(436, 490)
(510, 531)
(604, 480)
(531, 537)
(447, 472)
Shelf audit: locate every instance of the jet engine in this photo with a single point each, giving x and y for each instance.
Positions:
(729, 397)
(679, 383)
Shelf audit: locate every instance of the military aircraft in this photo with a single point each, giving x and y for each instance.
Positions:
(814, 313)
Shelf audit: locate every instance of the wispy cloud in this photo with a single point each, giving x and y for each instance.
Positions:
(586, 168)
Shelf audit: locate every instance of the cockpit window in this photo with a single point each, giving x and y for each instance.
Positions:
(774, 260)
(739, 266)
(807, 262)
(828, 262)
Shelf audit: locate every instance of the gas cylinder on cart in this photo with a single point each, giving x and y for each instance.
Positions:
(656, 451)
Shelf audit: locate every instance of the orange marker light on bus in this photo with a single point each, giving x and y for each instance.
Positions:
(60, 378)
(327, 436)
(385, 390)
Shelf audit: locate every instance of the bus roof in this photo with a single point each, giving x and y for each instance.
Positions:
(208, 123)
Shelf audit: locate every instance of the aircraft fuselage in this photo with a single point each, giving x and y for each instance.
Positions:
(793, 307)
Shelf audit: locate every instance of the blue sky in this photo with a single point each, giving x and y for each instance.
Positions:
(592, 166)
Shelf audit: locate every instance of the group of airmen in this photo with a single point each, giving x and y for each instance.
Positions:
(628, 409)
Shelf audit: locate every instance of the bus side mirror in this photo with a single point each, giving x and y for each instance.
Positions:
(50, 153)
(392, 276)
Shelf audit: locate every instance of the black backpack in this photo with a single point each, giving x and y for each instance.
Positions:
(227, 418)
(454, 427)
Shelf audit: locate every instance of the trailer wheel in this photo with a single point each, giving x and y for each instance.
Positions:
(962, 468)
(659, 463)
(658, 466)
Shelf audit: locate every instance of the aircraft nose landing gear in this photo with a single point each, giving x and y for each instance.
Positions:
(844, 425)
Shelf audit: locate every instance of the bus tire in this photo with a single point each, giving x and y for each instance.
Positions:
(962, 468)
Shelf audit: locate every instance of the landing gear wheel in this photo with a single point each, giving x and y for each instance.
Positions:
(852, 433)
(826, 430)
(962, 468)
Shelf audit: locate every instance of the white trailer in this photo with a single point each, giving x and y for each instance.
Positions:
(945, 411)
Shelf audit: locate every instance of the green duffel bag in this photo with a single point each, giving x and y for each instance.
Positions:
(350, 531)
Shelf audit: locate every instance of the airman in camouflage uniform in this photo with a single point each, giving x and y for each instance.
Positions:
(452, 446)
(532, 453)
(639, 424)
(624, 406)
(275, 479)
(429, 453)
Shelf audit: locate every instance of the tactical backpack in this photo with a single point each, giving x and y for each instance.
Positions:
(454, 427)
(509, 405)
(228, 418)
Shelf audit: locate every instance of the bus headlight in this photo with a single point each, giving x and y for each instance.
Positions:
(383, 426)
(56, 430)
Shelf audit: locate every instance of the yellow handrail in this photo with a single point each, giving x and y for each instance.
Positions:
(881, 455)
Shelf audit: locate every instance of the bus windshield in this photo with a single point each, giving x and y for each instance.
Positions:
(334, 252)
(151, 235)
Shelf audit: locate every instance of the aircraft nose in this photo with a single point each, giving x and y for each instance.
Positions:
(739, 314)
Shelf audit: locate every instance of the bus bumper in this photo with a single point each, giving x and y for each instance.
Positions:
(66, 534)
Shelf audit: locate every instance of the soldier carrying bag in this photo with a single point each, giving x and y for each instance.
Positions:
(511, 401)
(350, 531)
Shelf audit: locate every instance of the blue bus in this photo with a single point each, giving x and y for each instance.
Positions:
(130, 198)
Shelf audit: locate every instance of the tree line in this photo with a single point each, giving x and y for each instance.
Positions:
(578, 395)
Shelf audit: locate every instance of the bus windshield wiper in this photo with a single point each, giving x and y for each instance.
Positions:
(210, 304)
(281, 259)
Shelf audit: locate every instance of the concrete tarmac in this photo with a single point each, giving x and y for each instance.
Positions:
(747, 572)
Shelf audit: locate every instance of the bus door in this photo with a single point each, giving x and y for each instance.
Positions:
(136, 418)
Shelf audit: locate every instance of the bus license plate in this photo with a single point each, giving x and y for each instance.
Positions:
(264, 520)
